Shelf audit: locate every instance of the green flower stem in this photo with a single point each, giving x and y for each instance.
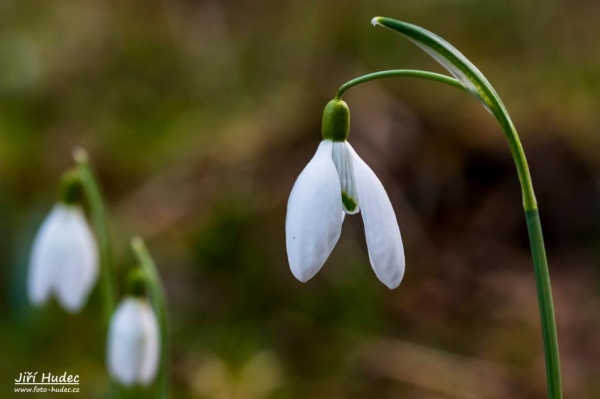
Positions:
(100, 221)
(544, 289)
(538, 251)
(536, 239)
(395, 73)
(471, 80)
(159, 302)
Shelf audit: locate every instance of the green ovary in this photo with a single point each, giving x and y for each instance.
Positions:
(349, 203)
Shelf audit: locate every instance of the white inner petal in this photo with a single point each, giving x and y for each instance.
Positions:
(343, 164)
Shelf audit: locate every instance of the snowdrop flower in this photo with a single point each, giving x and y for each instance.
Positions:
(64, 259)
(133, 342)
(334, 183)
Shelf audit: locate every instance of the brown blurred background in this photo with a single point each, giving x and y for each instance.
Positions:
(199, 115)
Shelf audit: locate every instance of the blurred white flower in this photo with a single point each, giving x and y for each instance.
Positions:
(64, 259)
(338, 181)
(133, 347)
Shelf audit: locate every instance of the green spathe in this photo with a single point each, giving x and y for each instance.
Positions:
(156, 293)
(91, 190)
(336, 121)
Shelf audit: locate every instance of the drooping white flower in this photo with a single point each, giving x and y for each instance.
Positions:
(133, 345)
(336, 182)
(64, 259)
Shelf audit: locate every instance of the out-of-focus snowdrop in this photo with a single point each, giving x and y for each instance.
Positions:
(334, 183)
(133, 349)
(64, 257)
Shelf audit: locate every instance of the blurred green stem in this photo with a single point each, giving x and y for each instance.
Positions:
(158, 298)
(542, 277)
(100, 221)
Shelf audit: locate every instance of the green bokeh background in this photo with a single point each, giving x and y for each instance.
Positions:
(198, 117)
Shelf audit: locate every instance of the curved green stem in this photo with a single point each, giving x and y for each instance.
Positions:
(473, 81)
(538, 251)
(100, 221)
(396, 73)
(159, 302)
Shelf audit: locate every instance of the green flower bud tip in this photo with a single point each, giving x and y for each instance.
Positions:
(336, 121)
(80, 155)
(71, 189)
(137, 283)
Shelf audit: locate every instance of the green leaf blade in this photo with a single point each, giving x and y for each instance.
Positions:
(448, 56)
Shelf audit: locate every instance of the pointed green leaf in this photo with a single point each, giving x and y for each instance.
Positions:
(448, 56)
(474, 82)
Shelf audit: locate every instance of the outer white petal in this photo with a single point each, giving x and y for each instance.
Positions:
(342, 159)
(314, 215)
(133, 343)
(384, 242)
(151, 357)
(77, 252)
(44, 262)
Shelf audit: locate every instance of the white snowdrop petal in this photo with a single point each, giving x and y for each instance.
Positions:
(64, 259)
(44, 262)
(79, 263)
(124, 342)
(384, 242)
(151, 355)
(314, 215)
(133, 344)
(343, 164)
